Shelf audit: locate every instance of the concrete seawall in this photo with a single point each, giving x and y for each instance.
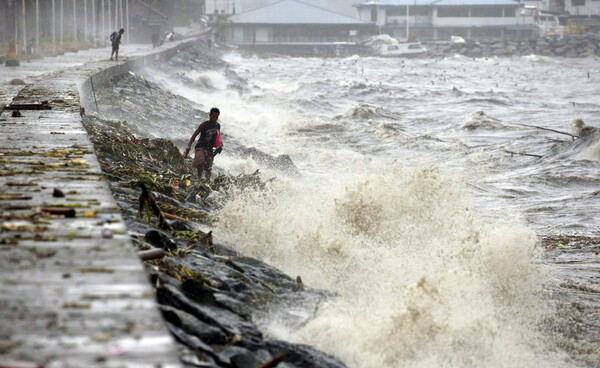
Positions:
(102, 76)
(74, 293)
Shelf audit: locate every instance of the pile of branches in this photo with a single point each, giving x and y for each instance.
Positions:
(159, 165)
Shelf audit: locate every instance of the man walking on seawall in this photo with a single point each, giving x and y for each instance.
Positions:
(210, 137)
(115, 40)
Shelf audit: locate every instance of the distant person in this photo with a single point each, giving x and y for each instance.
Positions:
(29, 48)
(115, 40)
(155, 38)
(210, 138)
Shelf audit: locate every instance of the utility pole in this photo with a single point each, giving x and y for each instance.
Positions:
(127, 18)
(109, 17)
(74, 22)
(407, 17)
(53, 29)
(85, 23)
(415, 23)
(24, 25)
(62, 18)
(94, 23)
(121, 7)
(103, 25)
(37, 26)
(11, 28)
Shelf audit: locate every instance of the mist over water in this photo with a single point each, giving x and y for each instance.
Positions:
(414, 205)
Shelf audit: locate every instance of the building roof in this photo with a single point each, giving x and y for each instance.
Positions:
(477, 2)
(439, 3)
(293, 12)
(397, 2)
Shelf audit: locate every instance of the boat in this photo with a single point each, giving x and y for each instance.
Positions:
(548, 24)
(385, 45)
(457, 39)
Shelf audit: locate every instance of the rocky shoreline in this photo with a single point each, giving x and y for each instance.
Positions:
(210, 296)
(568, 46)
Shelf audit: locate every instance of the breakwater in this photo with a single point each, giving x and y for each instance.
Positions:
(567, 46)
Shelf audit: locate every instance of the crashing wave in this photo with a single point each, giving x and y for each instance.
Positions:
(479, 120)
(365, 111)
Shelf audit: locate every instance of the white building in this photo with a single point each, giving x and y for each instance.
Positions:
(582, 7)
(541, 5)
(441, 19)
(294, 25)
(572, 7)
(219, 7)
(229, 7)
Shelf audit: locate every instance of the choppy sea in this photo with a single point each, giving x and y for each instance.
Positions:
(425, 188)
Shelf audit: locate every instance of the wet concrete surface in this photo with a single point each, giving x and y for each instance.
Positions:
(74, 293)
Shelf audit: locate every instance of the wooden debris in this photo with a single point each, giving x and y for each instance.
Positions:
(147, 202)
(204, 240)
(151, 254)
(548, 129)
(173, 217)
(275, 361)
(523, 154)
(29, 106)
(60, 211)
(299, 284)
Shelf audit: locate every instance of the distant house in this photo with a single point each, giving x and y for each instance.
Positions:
(230, 7)
(214, 8)
(543, 5)
(145, 20)
(440, 19)
(293, 23)
(583, 7)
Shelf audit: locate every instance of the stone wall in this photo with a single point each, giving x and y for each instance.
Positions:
(567, 46)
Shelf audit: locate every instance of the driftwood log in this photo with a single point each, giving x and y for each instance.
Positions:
(148, 255)
(148, 203)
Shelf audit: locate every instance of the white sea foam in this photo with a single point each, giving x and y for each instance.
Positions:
(212, 78)
(422, 280)
(593, 152)
(254, 125)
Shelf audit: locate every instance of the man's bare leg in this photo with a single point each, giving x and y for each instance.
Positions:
(200, 169)
(207, 173)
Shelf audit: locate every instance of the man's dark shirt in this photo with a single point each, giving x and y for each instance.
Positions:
(208, 135)
(117, 41)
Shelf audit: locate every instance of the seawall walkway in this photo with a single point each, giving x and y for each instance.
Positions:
(73, 291)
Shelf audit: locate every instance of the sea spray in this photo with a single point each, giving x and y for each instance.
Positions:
(478, 314)
(253, 124)
(420, 278)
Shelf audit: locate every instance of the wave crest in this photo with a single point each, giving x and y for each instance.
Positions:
(422, 279)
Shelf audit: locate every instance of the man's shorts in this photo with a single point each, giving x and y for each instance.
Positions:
(202, 158)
